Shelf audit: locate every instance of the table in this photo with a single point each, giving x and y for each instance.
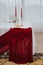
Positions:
(4, 27)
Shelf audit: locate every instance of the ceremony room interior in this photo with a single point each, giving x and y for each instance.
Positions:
(21, 32)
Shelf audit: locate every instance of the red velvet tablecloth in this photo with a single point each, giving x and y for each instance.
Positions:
(4, 42)
(19, 42)
(21, 45)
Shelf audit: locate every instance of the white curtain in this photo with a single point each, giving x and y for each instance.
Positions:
(32, 11)
(8, 6)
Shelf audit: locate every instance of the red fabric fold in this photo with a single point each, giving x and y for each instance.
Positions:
(21, 45)
(4, 42)
(4, 49)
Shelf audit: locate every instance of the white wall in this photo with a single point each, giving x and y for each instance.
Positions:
(39, 42)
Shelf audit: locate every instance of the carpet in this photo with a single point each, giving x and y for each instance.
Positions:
(6, 62)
